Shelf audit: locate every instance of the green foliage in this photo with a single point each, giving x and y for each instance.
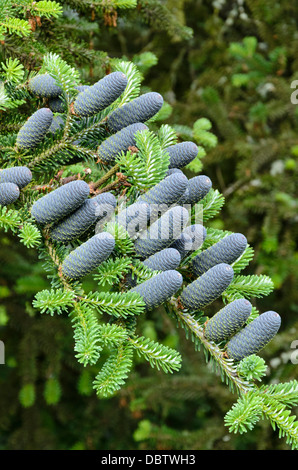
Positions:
(54, 301)
(249, 286)
(250, 408)
(10, 23)
(252, 367)
(30, 235)
(13, 70)
(149, 165)
(111, 271)
(134, 79)
(212, 204)
(93, 336)
(158, 355)
(65, 76)
(86, 335)
(27, 395)
(52, 391)
(245, 414)
(9, 219)
(116, 303)
(114, 372)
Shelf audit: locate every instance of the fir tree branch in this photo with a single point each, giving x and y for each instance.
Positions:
(105, 178)
(226, 366)
(114, 372)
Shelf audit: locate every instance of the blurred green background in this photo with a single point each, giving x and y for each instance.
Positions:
(232, 62)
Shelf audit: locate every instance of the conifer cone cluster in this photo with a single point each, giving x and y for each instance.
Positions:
(134, 218)
(9, 193)
(78, 222)
(156, 221)
(196, 189)
(45, 86)
(167, 192)
(57, 124)
(163, 260)
(191, 239)
(19, 175)
(57, 104)
(12, 180)
(164, 194)
(162, 233)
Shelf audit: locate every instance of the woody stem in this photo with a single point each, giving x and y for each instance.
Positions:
(108, 175)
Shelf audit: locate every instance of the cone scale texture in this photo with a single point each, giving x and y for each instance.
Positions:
(44, 86)
(168, 191)
(182, 154)
(190, 239)
(88, 256)
(100, 95)
(35, 129)
(171, 171)
(140, 109)
(163, 260)
(228, 320)
(197, 188)
(57, 124)
(159, 288)
(254, 336)
(204, 290)
(57, 105)
(119, 142)
(81, 88)
(60, 202)
(162, 233)
(19, 175)
(134, 218)
(226, 250)
(163, 195)
(90, 212)
(9, 193)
